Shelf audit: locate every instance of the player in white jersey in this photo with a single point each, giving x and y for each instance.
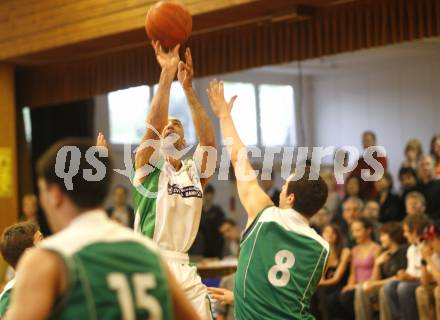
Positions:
(168, 192)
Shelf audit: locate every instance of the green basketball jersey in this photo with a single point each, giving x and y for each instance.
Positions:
(113, 273)
(281, 262)
(5, 297)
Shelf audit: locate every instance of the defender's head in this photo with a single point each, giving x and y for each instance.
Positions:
(175, 127)
(304, 195)
(60, 202)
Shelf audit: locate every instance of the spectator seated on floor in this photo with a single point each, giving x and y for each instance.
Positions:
(428, 294)
(399, 294)
(386, 266)
(363, 256)
(336, 275)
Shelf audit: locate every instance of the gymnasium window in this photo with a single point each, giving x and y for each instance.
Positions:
(244, 111)
(127, 112)
(27, 124)
(264, 113)
(267, 121)
(277, 119)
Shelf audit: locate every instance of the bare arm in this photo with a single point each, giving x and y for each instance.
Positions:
(158, 114)
(351, 283)
(253, 198)
(426, 278)
(40, 280)
(435, 272)
(340, 270)
(202, 122)
(182, 308)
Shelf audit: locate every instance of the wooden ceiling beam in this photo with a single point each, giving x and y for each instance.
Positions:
(46, 24)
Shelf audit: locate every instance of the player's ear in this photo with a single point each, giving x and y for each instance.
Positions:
(55, 195)
(291, 199)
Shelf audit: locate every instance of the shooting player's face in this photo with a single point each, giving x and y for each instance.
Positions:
(174, 126)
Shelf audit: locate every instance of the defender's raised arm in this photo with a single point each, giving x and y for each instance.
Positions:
(253, 198)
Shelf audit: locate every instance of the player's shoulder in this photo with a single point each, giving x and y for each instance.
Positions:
(74, 238)
(293, 222)
(7, 289)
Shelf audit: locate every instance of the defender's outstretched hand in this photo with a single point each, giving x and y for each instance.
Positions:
(186, 71)
(216, 96)
(167, 60)
(101, 141)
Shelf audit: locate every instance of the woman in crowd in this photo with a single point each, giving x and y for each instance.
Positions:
(363, 256)
(391, 207)
(352, 188)
(413, 152)
(435, 152)
(334, 279)
(386, 266)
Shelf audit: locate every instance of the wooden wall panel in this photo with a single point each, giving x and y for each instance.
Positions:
(8, 149)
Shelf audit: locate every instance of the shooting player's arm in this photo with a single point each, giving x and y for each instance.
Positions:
(158, 114)
(202, 122)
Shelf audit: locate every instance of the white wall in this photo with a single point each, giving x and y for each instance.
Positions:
(396, 97)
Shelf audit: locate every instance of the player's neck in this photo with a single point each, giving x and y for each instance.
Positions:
(175, 163)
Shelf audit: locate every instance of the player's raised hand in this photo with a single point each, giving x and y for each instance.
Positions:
(186, 71)
(223, 295)
(101, 141)
(216, 96)
(168, 60)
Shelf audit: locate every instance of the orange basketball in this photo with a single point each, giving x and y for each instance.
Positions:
(169, 22)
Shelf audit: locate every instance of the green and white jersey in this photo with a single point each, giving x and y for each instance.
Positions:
(171, 214)
(5, 297)
(281, 262)
(112, 272)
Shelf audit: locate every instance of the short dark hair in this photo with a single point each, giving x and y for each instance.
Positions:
(395, 231)
(229, 221)
(209, 189)
(407, 170)
(310, 195)
(16, 239)
(416, 222)
(84, 194)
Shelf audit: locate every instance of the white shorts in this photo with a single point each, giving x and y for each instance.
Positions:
(190, 282)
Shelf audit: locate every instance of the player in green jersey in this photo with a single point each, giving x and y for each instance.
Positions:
(281, 258)
(91, 268)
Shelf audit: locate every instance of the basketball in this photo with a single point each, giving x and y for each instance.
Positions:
(169, 22)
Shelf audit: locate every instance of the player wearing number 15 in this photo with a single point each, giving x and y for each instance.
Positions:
(91, 268)
(281, 258)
